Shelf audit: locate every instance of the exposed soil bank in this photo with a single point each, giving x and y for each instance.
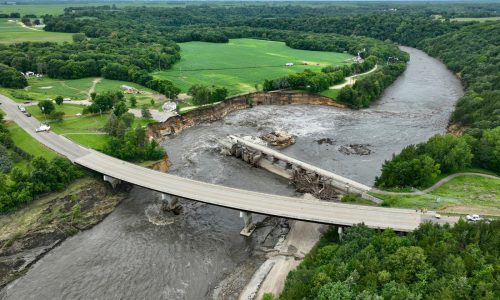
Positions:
(217, 112)
(28, 234)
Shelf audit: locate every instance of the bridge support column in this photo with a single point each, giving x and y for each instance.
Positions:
(113, 181)
(249, 226)
(340, 231)
(170, 203)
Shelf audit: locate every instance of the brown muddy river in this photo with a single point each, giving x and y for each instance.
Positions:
(137, 253)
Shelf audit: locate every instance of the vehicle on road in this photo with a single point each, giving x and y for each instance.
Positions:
(28, 114)
(42, 128)
(473, 218)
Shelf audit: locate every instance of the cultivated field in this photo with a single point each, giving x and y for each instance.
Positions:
(242, 63)
(12, 32)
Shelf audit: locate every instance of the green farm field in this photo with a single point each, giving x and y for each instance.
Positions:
(57, 9)
(12, 32)
(242, 63)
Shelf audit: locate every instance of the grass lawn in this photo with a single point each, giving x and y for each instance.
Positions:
(48, 88)
(476, 19)
(74, 89)
(68, 109)
(463, 194)
(12, 32)
(88, 130)
(332, 94)
(26, 142)
(242, 63)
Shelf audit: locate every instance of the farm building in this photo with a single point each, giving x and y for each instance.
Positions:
(129, 89)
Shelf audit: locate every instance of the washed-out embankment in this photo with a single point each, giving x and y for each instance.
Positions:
(218, 111)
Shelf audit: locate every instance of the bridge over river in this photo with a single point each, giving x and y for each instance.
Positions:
(403, 220)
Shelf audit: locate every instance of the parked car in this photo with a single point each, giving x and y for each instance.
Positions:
(42, 128)
(473, 218)
(28, 114)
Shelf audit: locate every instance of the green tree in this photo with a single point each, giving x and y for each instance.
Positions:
(56, 116)
(336, 291)
(487, 150)
(133, 101)
(450, 152)
(201, 94)
(79, 37)
(219, 94)
(145, 112)
(120, 108)
(46, 106)
(59, 100)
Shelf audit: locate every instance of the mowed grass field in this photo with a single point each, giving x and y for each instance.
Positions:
(57, 9)
(463, 194)
(242, 63)
(76, 89)
(12, 32)
(476, 19)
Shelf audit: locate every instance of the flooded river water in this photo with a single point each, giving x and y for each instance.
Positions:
(137, 253)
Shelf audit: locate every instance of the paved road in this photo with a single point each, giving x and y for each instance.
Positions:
(53, 141)
(288, 207)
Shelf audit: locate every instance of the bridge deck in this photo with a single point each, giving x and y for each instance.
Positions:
(288, 207)
(307, 210)
(271, 152)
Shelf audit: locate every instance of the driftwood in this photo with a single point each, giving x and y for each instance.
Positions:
(320, 188)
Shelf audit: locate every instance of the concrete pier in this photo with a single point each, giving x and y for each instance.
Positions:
(171, 203)
(113, 181)
(248, 223)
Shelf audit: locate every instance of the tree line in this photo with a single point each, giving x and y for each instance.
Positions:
(19, 186)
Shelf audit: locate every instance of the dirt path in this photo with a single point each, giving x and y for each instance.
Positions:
(27, 27)
(435, 186)
(92, 88)
(351, 80)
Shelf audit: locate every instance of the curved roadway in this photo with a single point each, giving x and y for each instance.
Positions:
(288, 207)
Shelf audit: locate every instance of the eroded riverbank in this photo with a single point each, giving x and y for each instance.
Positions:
(137, 253)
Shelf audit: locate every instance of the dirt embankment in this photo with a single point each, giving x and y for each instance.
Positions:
(31, 232)
(217, 112)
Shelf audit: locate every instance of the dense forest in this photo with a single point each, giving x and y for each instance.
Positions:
(433, 262)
